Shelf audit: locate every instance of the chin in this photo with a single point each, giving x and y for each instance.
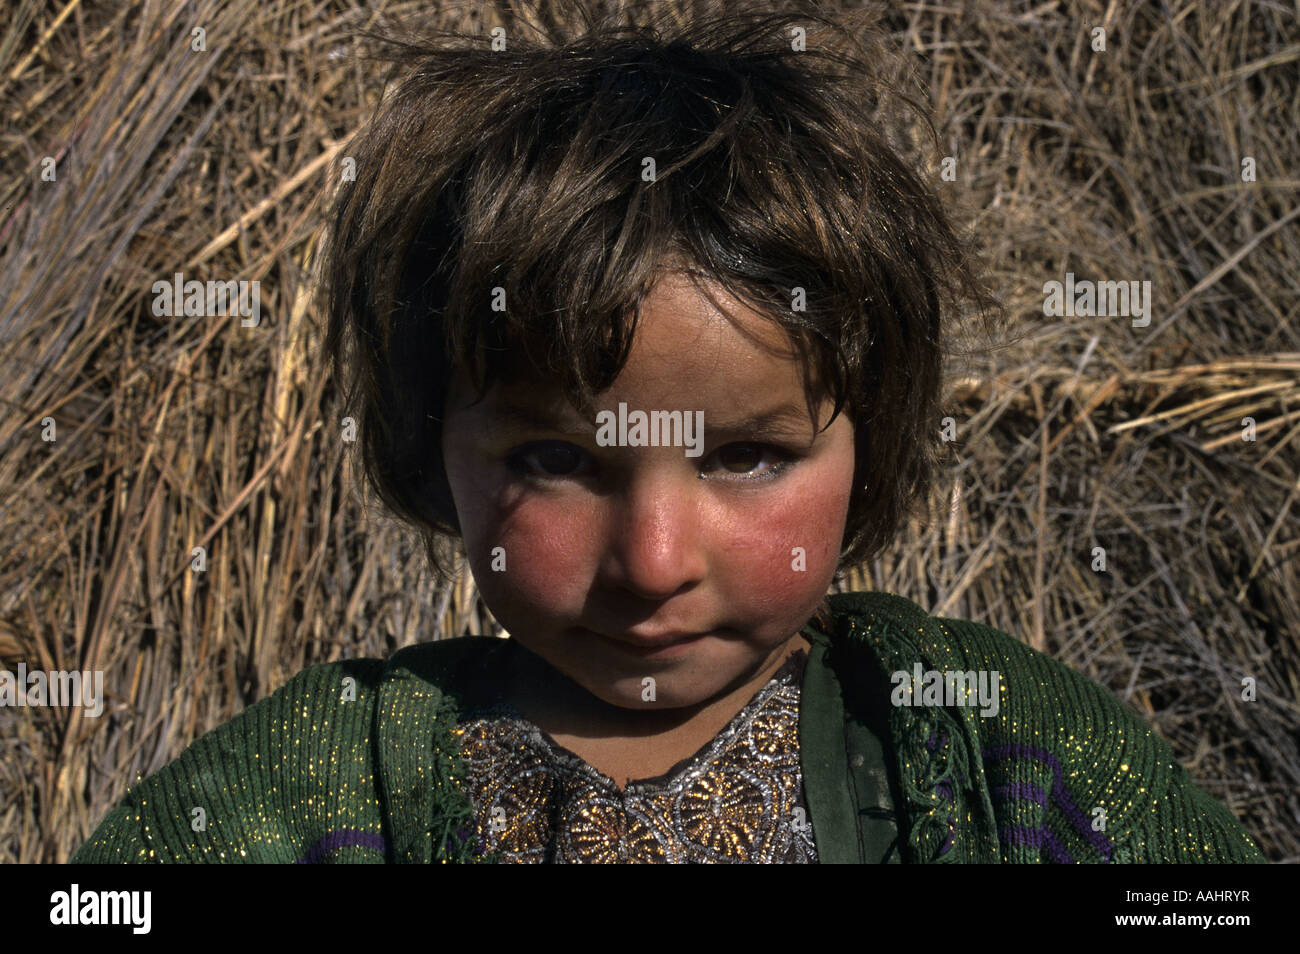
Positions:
(627, 694)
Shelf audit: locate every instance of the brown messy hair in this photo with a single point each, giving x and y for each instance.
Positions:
(521, 170)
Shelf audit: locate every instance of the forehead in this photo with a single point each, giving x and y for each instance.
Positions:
(692, 320)
(696, 347)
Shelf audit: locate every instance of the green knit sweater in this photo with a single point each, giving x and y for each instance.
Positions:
(356, 762)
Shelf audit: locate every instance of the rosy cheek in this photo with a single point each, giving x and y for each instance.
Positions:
(544, 548)
(787, 550)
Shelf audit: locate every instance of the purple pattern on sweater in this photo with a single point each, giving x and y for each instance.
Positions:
(1025, 790)
(1036, 838)
(343, 838)
(1059, 792)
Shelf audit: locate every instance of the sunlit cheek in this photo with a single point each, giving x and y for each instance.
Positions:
(783, 549)
(536, 551)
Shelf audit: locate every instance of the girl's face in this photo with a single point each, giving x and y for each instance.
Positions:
(616, 564)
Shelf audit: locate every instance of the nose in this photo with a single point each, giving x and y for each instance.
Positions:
(655, 545)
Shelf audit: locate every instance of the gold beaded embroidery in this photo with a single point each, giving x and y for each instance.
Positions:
(739, 799)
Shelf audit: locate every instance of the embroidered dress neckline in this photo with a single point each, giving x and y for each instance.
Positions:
(739, 798)
(558, 754)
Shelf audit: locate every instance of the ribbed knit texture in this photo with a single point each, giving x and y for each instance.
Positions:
(355, 762)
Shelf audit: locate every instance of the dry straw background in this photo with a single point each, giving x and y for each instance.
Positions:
(181, 432)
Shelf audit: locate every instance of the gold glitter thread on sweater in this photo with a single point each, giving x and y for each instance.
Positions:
(740, 798)
(354, 762)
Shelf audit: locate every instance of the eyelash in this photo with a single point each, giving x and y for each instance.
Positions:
(516, 461)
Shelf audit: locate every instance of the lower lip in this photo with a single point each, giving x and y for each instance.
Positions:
(667, 651)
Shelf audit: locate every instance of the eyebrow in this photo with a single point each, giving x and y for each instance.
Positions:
(783, 421)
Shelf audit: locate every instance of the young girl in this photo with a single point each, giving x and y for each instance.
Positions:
(651, 323)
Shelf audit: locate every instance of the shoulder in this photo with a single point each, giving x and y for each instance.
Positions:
(326, 687)
(297, 775)
(319, 707)
(1054, 736)
(1037, 696)
(250, 789)
(325, 700)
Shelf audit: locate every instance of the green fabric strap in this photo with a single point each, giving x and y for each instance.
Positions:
(877, 828)
(845, 780)
(824, 761)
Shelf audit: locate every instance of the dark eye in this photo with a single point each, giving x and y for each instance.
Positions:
(556, 460)
(548, 460)
(741, 459)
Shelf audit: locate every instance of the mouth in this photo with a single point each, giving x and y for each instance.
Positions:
(658, 646)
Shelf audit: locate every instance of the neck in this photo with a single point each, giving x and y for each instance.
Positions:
(558, 705)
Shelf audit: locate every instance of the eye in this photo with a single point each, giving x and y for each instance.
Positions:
(556, 460)
(547, 459)
(741, 459)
